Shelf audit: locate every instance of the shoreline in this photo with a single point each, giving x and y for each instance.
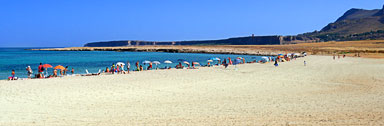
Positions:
(169, 49)
(366, 48)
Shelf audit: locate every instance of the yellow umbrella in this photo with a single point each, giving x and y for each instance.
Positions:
(59, 67)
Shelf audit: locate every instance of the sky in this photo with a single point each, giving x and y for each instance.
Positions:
(69, 23)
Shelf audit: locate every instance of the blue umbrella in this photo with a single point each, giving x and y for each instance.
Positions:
(237, 61)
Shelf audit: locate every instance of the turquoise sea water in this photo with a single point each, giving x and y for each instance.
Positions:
(19, 58)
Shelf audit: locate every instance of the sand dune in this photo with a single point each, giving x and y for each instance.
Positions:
(347, 91)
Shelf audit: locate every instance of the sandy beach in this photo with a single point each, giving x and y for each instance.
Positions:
(347, 91)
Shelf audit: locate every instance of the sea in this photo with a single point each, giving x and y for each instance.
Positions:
(19, 58)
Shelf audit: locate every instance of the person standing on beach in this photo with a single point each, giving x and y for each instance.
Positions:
(29, 71)
(305, 63)
(61, 72)
(41, 70)
(65, 70)
(243, 60)
(229, 61)
(150, 66)
(128, 66)
(13, 75)
(73, 71)
(141, 68)
(113, 68)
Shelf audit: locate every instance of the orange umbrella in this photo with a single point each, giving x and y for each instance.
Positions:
(59, 67)
(47, 66)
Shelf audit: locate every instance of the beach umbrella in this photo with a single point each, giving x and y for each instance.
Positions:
(196, 63)
(59, 67)
(209, 60)
(264, 59)
(120, 64)
(146, 62)
(47, 66)
(156, 62)
(186, 62)
(217, 58)
(168, 62)
(237, 61)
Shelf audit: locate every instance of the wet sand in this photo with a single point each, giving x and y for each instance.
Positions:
(347, 91)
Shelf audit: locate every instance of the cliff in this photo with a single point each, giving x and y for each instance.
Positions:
(251, 40)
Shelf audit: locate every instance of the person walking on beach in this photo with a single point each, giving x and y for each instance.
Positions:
(41, 70)
(334, 57)
(29, 71)
(128, 66)
(276, 64)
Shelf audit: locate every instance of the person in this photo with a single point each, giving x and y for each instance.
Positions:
(54, 73)
(128, 66)
(117, 69)
(122, 69)
(41, 70)
(107, 70)
(29, 71)
(141, 68)
(73, 71)
(65, 70)
(137, 66)
(150, 66)
(13, 75)
(334, 57)
(230, 61)
(338, 56)
(243, 60)
(344, 56)
(113, 68)
(209, 64)
(305, 63)
(61, 72)
(276, 64)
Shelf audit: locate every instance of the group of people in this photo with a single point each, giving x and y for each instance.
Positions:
(121, 68)
(41, 69)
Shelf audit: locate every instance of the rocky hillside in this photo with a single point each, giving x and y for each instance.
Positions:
(355, 24)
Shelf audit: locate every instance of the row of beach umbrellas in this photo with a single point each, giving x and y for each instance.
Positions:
(158, 62)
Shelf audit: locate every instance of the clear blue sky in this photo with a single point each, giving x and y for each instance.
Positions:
(64, 23)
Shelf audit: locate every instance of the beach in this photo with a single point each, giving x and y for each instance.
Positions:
(345, 91)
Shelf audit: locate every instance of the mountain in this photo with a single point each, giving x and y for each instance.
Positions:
(355, 24)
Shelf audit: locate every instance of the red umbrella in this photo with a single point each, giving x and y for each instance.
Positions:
(47, 66)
